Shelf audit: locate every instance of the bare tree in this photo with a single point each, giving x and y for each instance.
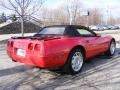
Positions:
(73, 10)
(22, 8)
(95, 17)
(53, 16)
(112, 20)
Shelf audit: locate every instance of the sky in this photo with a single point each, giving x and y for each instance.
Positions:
(102, 3)
(106, 6)
(87, 3)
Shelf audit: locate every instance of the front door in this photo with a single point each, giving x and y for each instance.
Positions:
(91, 42)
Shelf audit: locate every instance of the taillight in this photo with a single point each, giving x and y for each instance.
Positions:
(8, 43)
(37, 47)
(30, 46)
(11, 44)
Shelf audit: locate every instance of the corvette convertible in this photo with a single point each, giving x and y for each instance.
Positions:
(63, 46)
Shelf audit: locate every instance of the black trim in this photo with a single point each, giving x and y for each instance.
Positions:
(70, 30)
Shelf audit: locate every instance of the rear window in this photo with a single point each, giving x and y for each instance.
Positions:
(53, 30)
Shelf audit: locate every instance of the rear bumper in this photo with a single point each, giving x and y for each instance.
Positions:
(40, 61)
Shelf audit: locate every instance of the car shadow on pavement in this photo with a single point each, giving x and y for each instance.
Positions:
(13, 70)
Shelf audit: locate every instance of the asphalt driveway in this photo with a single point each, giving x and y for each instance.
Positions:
(101, 73)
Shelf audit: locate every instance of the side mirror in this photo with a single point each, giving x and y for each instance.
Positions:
(98, 35)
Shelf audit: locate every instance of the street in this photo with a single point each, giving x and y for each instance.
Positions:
(101, 73)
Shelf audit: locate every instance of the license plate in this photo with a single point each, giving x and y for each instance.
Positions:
(21, 52)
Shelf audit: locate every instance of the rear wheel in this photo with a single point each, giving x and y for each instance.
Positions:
(112, 48)
(75, 62)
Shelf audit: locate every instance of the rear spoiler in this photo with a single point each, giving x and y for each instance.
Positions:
(45, 38)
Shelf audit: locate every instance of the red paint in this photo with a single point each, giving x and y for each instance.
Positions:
(54, 52)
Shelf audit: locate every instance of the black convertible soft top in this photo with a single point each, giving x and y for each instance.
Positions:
(70, 30)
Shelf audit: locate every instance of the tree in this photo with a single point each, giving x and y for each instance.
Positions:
(53, 16)
(73, 10)
(112, 20)
(23, 8)
(95, 17)
(3, 18)
(14, 18)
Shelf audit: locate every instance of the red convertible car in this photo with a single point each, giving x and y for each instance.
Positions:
(65, 46)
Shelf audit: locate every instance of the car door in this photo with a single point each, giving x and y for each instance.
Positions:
(91, 42)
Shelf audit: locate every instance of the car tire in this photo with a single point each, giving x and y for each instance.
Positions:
(75, 62)
(112, 48)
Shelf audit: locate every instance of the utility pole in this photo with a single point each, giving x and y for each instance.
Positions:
(87, 21)
(71, 19)
(86, 15)
(22, 19)
(107, 17)
(88, 18)
(22, 26)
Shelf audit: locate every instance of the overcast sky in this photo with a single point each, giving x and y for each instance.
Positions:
(105, 5)
(112, 6)
(88, 3)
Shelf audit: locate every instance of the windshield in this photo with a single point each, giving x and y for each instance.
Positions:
(52, 31)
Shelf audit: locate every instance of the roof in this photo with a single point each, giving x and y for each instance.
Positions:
(67, 26)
